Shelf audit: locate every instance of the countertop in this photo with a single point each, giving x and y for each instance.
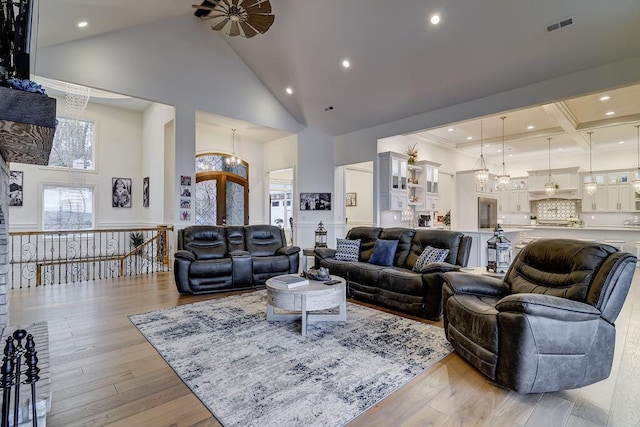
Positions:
(583, 227)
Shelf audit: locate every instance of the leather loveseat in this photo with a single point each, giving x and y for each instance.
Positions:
(549, 325)
(216, 258)
(397, 286)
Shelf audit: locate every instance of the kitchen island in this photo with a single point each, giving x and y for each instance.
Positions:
(628, 233)
(479, 237)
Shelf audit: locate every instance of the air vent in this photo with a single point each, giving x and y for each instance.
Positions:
(329, 108)
(560, 24)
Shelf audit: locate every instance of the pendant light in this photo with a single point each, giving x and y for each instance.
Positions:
(591, 186)
(503, 179)
(482, 173)
(636, 181)
(550, 186)
(233, 160)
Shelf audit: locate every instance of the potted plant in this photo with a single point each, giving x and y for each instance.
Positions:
(136, 239)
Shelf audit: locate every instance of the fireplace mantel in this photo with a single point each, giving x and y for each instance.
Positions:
(27, 126)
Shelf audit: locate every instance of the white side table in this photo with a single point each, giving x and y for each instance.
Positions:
(307, 252)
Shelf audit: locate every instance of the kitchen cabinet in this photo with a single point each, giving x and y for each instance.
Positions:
(620, 198)
(393, 181)
(503, 202)
(597, 202)
(432, 202)
(415, 187)
(519, 201)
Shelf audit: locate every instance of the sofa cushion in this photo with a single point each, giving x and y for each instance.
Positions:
(368, 237)
(211, 268)
(347, 250)
(206, 242)
(428, 256)
(440, 239)
(404, 236)
(264, 240)
(384, 252)
(364, 273)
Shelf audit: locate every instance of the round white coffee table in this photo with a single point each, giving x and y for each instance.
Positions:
(312, 297)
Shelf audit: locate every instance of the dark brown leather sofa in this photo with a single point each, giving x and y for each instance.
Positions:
(216, 259)
(549, 325)
(398, 287)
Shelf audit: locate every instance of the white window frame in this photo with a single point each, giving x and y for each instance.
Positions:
(44, 185)
(94, 153)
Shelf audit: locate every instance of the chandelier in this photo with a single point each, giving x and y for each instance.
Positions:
(550, 186)
(233, 160)
(482, 173)
(590, 186)
(636, 181)
(503, 178)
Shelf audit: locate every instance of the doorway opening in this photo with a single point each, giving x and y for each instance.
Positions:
(281, 201)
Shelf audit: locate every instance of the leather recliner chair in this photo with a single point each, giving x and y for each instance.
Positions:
(549, 325)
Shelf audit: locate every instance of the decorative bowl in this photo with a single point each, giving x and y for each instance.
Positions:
(321, 274)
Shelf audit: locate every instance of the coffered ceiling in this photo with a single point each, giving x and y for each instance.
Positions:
(401, 64)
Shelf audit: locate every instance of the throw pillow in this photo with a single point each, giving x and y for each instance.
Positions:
(347, 250)
(383, 252)
(429, 255)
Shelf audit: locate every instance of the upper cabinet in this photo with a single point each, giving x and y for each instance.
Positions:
(393, 181)
(614, 193)
(567, 182)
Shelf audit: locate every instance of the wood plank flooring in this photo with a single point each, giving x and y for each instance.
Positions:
(104, 372)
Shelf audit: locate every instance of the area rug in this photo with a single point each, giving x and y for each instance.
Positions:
(249, 372)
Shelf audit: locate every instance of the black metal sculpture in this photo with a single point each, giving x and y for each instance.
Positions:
(11, 373)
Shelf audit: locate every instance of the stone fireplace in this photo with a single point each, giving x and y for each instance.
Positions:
(27, 126)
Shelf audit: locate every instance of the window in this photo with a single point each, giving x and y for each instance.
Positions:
(67, 207)
(73, 144)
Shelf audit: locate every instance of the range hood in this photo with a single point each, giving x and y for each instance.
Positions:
(561, 193)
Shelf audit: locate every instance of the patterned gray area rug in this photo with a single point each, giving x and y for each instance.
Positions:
(249, 372)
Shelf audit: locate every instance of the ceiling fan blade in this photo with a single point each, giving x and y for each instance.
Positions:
(220, 25)
(259, 7)
(261, 22)
(248, 30)
(235, 29)
(205, 18)
(201, 6)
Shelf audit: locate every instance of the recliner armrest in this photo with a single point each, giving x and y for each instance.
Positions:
(189, 256)
(323, 253)
(548, 306)
(439, 267)
(288, 250)
(476, 284)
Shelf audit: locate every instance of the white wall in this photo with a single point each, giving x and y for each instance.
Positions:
(359, 179)
(153, 146)
(119, 145)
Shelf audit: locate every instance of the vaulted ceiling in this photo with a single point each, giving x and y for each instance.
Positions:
(400, 63)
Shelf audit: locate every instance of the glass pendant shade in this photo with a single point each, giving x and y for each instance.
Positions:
(482, 173)
(550, 188)
(233, 160)
(503, 179)
(592, 186)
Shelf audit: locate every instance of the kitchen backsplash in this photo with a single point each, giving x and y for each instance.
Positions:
(556, 210)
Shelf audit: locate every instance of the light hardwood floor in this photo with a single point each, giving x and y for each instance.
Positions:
(105, 373)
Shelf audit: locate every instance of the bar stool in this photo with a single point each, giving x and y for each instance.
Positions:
(618, 244)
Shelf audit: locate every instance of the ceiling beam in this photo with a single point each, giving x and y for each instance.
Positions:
(567, 121)
(631, 119)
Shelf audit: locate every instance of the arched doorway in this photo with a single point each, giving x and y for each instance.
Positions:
(222, 190)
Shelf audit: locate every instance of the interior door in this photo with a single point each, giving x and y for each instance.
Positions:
(221, 199)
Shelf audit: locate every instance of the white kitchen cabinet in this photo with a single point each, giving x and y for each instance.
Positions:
(503, 202)
(519, 201)
(432, 202)
(415, 186)
(620, 198)
(393, 181)
(597, 202)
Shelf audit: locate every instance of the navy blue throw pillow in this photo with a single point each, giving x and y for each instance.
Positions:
(383, 252)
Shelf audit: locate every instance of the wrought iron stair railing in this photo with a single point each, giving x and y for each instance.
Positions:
(53, 257)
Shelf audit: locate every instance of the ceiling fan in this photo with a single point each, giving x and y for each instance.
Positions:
(244, 18)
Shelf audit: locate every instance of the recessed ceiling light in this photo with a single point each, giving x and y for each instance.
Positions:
(510, 155)
(435, 19)
(82, 24)
(450, 130)
(605, 98)
(621, 142)
(289, 91)
(610, 113)
(346, 63)
(469, 137)
(499, 151)
(530, 127)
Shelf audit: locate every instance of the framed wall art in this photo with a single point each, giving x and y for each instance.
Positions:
(15, 188)
(315, 201)
(145, 192)
(121, 192)
(352, 199)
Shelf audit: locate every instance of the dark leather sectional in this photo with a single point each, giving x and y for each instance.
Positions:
(216, 258)
(397, 287)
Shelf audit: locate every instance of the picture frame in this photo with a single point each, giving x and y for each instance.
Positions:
(185, 215)
(185, 192)
(15, 188)
(121, 192)
(315, 201)
(185, 203)
(145, 192)
(352, 199)
(185, 180)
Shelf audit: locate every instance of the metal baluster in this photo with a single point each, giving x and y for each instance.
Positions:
(31, 373)
(6, 380)
(18, 335)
